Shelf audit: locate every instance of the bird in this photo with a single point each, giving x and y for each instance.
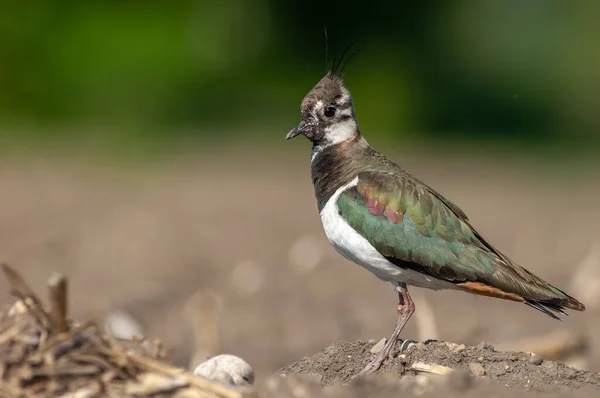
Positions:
(379, 216)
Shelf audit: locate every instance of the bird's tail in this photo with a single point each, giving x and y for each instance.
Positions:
(557, 305)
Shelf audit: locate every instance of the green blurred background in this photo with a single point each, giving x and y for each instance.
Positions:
(158, 75)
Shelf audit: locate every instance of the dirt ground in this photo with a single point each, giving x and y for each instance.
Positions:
(224, 253)
(476, 368)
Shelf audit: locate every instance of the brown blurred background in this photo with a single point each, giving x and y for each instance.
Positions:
(143, 156)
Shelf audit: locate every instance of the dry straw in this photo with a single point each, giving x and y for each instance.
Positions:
(44, 354)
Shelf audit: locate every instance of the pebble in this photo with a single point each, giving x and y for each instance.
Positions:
(455, 347)
(483, 345)
(238, 371)
(122, 325)
(17, 308)
(476, 369)
(451, 346)
(421, 346)
(222, 377)
(536, 359)
(378, 347)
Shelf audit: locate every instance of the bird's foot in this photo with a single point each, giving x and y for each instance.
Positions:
(371, 367)
(386, 354)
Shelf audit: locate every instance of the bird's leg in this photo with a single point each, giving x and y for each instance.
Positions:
(406, 307)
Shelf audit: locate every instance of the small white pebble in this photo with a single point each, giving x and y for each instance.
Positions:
(239, 371)
(476, 369)
(536, 359)
(122, 325)
(378, 347)
(222, 377)
(17, 308)
(459, 348)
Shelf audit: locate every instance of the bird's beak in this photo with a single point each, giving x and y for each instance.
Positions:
(299, 129)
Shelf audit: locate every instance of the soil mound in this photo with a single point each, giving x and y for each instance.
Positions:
(436, 367)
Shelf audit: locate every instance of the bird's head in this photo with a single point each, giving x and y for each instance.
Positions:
(327, 113)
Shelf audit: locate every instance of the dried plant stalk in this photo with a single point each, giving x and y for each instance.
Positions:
(43, 355)
(431, 368)
(21, 290)
(57, 285)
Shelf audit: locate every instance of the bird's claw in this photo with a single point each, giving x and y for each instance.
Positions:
(374, 365)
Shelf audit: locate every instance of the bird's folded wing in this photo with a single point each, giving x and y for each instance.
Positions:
(417, 228)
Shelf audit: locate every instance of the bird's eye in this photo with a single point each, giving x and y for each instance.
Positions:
(330, 111)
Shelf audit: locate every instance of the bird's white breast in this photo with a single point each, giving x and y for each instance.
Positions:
(357, 249)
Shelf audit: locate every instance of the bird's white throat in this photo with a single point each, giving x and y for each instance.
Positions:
(337, 133)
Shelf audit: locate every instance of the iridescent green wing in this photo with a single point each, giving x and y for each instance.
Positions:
(415, 227)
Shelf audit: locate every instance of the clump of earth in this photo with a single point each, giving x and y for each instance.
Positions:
(417, 371)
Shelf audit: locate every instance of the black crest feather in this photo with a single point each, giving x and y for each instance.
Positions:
(326, 51)
(338, 65)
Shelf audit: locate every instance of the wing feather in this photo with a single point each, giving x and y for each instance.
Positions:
(415, 227)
